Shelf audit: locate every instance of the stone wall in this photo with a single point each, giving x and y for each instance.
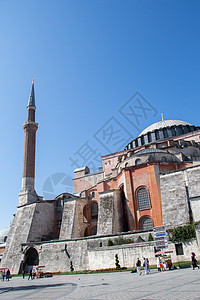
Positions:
(31, 223)
(193, 181)
(175, 209)
(68, 219)
(18, 234)
(109, 216)
(43, 221)
(56, 256)
(180, 189)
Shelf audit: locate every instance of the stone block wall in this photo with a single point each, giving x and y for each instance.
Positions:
(43, 222)
(193, 181)
(18, 234)
(109, 216)
(56, 256)
(175, 209)
(178, 189)
(68, 219)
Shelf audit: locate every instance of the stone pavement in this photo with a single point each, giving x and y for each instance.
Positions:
(177, 284)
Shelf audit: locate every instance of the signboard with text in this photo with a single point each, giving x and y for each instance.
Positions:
(160, 237)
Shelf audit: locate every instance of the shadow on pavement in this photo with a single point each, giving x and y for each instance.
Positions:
(35, 286)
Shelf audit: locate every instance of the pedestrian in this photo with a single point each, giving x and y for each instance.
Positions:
(194, 261)
(30, 274)
(8, 275)
(4, 274)
(138, 265)
(161, 265)
(1, 275)
(145, 265)
(23, 273)
(33, 273)
(158, 264)
(148, 265)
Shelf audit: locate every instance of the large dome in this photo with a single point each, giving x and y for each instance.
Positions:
(163, 124)
(162, 130)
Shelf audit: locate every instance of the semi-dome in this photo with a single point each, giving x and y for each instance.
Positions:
(163, 124)
(162, 130)
(3, 234)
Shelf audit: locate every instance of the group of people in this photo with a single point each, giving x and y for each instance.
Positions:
(32, 274)
(5, 274)
(163, 265)
(145, 265)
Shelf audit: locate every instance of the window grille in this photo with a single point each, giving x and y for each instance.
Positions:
(143, 199)
(146, 223)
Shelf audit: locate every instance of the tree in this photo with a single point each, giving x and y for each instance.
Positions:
(150, 237)
(71, 266)
(117, 262)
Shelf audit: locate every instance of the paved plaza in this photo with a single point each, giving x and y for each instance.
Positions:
(177, 284)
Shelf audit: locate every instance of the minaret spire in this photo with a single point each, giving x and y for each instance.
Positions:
(31, 101)
(28, 194)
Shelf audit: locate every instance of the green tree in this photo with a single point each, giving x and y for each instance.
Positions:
(110, 243)
(182, 233)
(71, 266)
(150, 237)
(117, 262)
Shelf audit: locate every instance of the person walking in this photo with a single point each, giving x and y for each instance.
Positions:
(33, 273)
(8, 275)
(194, 261)
(3, 275)
(138, 265)
(158, 264)
(30, 274)
(145, 265)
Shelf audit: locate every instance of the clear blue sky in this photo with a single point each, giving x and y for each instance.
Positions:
(88, 58)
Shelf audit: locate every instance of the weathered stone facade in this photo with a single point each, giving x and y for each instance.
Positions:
(155, 181)
(180, 192)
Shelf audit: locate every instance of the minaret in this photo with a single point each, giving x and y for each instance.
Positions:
(27, 194)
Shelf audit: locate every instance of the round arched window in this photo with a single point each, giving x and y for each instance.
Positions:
(143, 198)
(138, 161)
(146, 223)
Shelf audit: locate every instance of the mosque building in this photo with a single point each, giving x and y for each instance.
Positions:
(154, 181)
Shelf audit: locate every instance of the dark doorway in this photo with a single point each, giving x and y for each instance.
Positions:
(125, 225)
(31, 257)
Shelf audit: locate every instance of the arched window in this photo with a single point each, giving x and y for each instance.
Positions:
(146, 223)
(149, 137)
(94, 210)
(165, 133)
(93, 194)
(163, 159)
(157, 134)
(143, 198)
(138, 161)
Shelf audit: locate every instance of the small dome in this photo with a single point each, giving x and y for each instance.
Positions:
(163, 124)
(3, 234)
(150, 150)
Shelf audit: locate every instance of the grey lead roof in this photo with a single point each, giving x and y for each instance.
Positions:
(31, 101)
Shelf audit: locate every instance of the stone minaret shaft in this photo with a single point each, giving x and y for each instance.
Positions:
(30, 128)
